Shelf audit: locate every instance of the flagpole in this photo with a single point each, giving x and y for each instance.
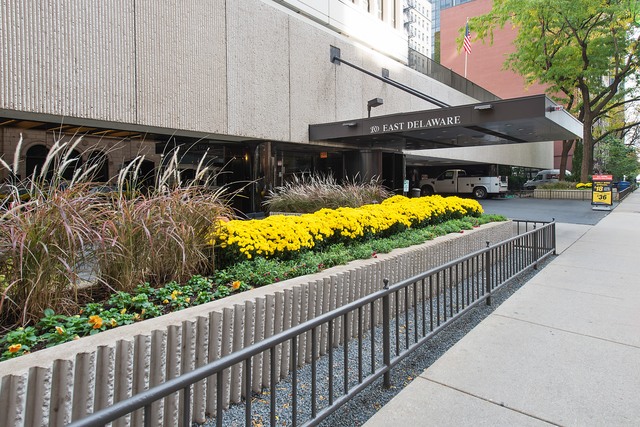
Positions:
(467, 46)
(465, 64)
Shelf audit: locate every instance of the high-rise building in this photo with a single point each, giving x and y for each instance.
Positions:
(417, 15)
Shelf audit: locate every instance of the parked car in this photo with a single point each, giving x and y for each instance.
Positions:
(544, 177)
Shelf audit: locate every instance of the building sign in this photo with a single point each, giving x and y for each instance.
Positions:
(602, 192)
(408, 125)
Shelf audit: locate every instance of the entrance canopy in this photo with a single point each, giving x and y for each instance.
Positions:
(529, 119)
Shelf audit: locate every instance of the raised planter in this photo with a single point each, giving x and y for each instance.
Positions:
(63, 383)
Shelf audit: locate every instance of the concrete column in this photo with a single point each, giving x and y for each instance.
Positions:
(141, 372)
(237, 344)
(61, 392)
(268, 332)
(38, 392)
(249, 338)
(287, 320)
(214, 351)
(174, 355)
(13, 390)
(278, 326)
(304, 316)
(105, 361)
(158, 371)
(226, 348)
(258, 334)
(123, 376)
(83, 385)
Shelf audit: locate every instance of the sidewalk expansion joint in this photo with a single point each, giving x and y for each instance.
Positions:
(567, 331)
(493, 402)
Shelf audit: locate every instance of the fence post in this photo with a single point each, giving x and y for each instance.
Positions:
(535, 250)
(553, 235)
(386, 334)
(487, 269)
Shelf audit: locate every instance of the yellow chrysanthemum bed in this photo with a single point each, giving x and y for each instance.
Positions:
(279, 235)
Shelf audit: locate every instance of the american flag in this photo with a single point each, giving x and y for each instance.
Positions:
(467, 40)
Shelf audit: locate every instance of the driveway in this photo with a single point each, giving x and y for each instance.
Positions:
(564, 211)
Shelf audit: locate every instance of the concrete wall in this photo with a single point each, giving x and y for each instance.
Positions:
(247, 68)
(63, 383)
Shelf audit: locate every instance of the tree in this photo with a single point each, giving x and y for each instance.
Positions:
(582, 50)
(618, 159)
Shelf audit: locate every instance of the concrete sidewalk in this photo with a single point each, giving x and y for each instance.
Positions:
(563, 350)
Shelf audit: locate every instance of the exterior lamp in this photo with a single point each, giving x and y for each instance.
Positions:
(375, 102)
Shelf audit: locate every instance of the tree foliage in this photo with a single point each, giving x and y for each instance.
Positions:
(618, 159)
(582, 50)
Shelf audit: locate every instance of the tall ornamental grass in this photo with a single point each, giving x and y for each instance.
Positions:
(61, 234)
(310, 193)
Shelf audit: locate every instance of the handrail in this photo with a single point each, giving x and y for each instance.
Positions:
(432, 299)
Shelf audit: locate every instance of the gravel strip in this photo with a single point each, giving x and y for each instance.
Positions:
(365, 404)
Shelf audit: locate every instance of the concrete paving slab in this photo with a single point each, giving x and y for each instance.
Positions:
(589, 280)
(608, 317)
(562, 377)
(601, 258)
(422, 403)
(568, 234)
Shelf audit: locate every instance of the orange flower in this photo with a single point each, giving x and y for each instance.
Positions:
(235, 285)
(96, 321)
(15, 348)
(59, 330)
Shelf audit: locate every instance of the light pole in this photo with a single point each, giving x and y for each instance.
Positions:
(375, 102)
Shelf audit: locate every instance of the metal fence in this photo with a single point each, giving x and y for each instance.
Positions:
(387, 325)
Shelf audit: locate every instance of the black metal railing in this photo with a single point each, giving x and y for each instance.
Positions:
(355, 344)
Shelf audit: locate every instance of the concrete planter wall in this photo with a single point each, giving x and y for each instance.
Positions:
(562, 194)
(567, 194)
(63, 383)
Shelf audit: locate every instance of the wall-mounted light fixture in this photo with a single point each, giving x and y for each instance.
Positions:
(483, 107)
(375, 102)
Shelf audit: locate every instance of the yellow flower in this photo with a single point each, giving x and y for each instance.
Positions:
(166, 301)
(15, 348)
(123, 311)
(187, 300)
(235, 285)
(96, 321)
(113, 323)
(59, 330)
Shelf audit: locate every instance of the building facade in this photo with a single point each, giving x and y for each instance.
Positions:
(417, 21)
(238, 81)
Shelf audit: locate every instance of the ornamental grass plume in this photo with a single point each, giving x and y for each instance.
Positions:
(309, 193)
(62, 233)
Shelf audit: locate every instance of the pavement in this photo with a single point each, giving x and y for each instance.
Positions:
(563, 350)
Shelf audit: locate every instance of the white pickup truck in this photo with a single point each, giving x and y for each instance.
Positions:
(456, 181)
